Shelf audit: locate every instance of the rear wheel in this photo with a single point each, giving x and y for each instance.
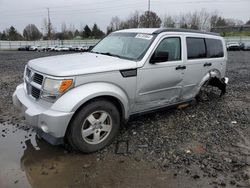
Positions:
(94, 126)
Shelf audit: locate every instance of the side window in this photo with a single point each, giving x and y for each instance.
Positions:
(214, 48)
(172, 46)
(196, 48)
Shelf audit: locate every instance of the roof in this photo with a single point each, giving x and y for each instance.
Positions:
(139, 30)
(161, 30)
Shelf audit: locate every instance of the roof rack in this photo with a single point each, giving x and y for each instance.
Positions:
(183, 30)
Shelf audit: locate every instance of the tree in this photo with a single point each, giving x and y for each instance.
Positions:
(31, 32)
(248, 22)
(86, 32)
(213, 20)
(221, 22)
(134, 20)
(96, 32)
(76, 33)
(4, 36)
(48, 29)
(13, 35)
(169, 22)
(150, 19)
(234, 22)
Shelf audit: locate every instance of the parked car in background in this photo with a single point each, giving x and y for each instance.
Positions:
(58, 48)
(85, 98)
(33, 48)
(51, 48)
(81, 48)
(62, 48)
(234, 46)
(246, 46)
(41, 48)
(24, 48)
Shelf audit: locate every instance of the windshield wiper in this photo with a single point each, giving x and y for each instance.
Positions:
(109, 54)
(106, 53)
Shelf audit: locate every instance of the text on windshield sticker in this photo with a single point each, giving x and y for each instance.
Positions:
(144, 36)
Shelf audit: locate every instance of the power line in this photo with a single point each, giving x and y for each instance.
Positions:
(86, 10)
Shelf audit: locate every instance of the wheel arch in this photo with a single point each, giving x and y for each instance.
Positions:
(214, 73)
(76, 98)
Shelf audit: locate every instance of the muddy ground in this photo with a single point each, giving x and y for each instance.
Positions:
(204, 145)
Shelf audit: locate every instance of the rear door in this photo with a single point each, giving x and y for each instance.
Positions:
(195, 59)
(203, 55)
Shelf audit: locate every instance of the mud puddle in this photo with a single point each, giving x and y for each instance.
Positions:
(27, 161)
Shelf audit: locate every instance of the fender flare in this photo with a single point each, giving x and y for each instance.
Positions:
(76, 97)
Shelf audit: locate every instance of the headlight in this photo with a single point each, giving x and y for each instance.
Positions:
(53, 88)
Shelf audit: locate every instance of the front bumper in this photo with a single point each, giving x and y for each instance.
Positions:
(50, 124)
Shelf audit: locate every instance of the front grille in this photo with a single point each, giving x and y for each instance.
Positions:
(34, 83)
(35, 92)
(38, 78)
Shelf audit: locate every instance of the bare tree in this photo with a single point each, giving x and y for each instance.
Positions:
(48, 29)
(63, 27)
(169, 22)
(150, 19)
(214, 19)
(134, 20)
(204, 20)
(234, 22)
(115, 23)
(200, 20)
(248, 22)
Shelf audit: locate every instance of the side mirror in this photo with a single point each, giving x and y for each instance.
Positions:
(159, 57)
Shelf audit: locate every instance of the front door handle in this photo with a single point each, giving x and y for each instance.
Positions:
(207, 64)
(180, 67)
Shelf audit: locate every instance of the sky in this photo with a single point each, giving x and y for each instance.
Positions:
(20, 13)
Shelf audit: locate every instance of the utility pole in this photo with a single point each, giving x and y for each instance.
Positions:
(148, 12)
(49, 25)
(148, 5)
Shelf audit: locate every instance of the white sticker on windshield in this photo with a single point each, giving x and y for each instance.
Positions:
(144, 36)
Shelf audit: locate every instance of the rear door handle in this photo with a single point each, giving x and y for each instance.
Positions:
(207, 64)
(180, 67)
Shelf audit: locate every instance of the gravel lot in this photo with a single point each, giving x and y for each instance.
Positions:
(204, 145)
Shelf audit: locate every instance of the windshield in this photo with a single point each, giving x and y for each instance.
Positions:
(131, 46)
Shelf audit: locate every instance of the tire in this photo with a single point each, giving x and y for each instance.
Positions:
(94, 126)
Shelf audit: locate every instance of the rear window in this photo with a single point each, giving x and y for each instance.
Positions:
(214, 48)
(196, 48)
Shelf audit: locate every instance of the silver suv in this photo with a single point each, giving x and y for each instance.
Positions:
(83, 99)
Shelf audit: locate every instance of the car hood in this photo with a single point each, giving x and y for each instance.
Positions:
(77, 64)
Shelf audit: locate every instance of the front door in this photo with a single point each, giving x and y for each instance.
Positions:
(160, 84)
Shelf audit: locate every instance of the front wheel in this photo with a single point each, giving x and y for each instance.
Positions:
(94, 126)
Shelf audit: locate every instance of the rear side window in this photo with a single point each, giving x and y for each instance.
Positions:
(214, 48)
(196, 48)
